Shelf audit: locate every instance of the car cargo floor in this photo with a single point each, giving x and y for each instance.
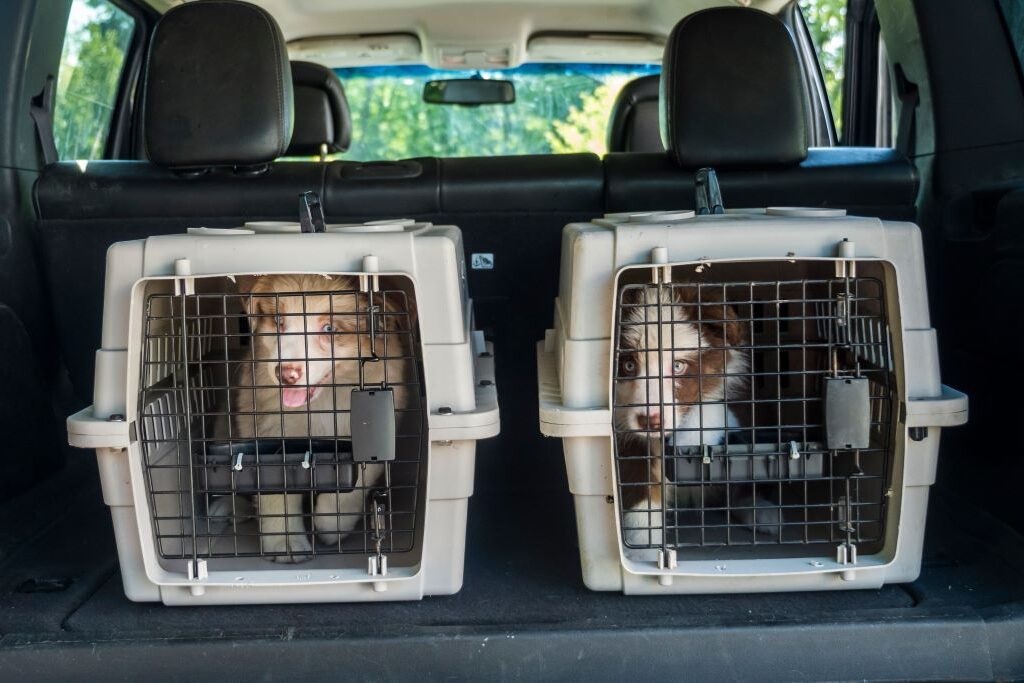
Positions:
(523, 611)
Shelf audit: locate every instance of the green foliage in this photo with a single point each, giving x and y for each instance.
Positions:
(826, 20)
(556, 110)
(90, 70)
(585, 129)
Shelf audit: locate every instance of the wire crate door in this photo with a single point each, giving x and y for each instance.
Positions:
(752, 414)
(248, 403)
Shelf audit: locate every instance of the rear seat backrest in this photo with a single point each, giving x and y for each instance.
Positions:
(733, 97)
(633, 125)
(323, 124)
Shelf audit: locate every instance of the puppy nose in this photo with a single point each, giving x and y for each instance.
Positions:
(652, 421)
(288, 374)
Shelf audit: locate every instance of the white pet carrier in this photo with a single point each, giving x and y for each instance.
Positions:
(748, 401)
(289, 417)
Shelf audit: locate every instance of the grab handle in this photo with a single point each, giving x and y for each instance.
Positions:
(311, 212)
(709, 194)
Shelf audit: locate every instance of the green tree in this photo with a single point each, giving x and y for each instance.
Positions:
(91, 62)
(561, 109)
(585, 129)
(826, 21)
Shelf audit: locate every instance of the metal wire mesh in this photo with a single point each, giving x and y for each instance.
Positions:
(723, 432)
(245, 406)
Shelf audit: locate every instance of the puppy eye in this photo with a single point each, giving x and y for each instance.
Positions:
(679, 366)
(628, 367)
(328, 328)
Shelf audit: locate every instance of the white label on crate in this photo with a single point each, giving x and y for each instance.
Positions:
(482, 261)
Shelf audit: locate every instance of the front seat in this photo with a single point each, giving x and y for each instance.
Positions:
(323, 124)
(633, 126)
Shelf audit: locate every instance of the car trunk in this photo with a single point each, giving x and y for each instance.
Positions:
(524, 612)
(523, 609)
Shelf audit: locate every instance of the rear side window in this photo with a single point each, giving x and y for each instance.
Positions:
(826, 21)
(1013, 12)
(95, 47)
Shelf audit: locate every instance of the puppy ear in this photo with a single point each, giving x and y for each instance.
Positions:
(246, 284)
(632, 296)
(722, 326)
(633, 307)
(718, 319)
(403, 310)
(255, 307)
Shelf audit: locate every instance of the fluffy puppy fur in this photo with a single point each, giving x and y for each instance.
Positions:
(701, 368)
(303, 365)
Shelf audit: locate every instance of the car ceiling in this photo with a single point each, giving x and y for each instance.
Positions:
(488, 26)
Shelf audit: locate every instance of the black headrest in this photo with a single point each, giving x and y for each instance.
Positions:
(321, 111)
(633, 126)
(732, 93)
(218, 87)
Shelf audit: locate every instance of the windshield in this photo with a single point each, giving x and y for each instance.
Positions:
(559, 108)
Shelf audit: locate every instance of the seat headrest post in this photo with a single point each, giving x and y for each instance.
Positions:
(732, 91)
(218, 89)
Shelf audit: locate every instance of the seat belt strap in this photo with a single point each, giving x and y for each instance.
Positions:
(41, 111)
(907, 94)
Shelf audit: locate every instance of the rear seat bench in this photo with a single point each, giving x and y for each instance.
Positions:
(866, 181)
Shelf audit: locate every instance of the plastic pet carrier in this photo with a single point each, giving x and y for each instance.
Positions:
(289, 417)
(748, 401)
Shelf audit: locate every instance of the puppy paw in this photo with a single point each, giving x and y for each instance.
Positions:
(336, 515)
(228, 509)
(642, 526)
(760, 514)
(287, 549)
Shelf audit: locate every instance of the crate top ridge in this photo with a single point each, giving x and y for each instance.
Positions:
(594, 253)
(432, 256)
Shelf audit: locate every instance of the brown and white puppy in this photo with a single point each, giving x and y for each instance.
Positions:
(307, 339)
(674, 380)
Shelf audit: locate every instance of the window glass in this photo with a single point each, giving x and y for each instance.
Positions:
(826, 21)
(559, 108)
(95, 46)
(1013, 12)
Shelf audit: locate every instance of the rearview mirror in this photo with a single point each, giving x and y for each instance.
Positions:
(469, 92)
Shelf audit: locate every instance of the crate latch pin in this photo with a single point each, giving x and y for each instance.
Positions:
(369, 280)
(667, 558)
(183, 284)
(846, 553)
(846, 253)
(378, 565)
(662, 273)
(197, 570)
